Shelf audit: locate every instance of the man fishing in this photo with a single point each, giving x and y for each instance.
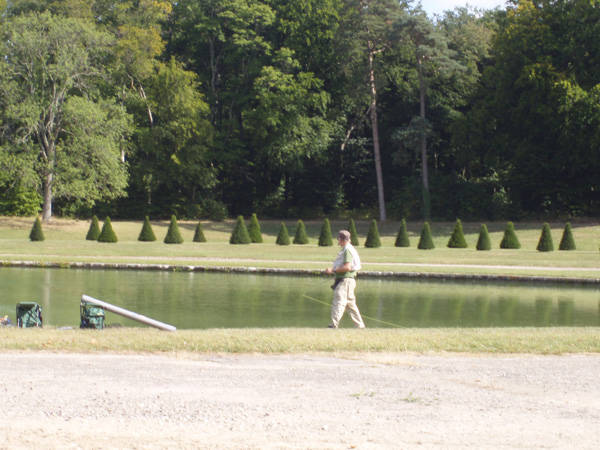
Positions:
(345, 267)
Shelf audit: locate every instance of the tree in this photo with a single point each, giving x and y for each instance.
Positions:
(47, 73)
(431, 58)
(147, 234)
(300, 237)
(483, 241)
(283, 237)
(107, 234)
(173, 235)
(240, 235)
(426, 240)
(353, 234)
(457, 239)
(373, 240)
(37, 234)
(94, 230)
(325, 239)
(375, 23)
(254, 230)
(199, 234)
(545, 243)
(402, 239)
(510, 240)
(567, 242)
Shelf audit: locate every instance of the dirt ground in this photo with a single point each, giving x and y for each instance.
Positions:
(376, 401)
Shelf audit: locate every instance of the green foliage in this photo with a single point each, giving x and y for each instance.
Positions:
(426, 239)
(373, 240)
(325, 239)
(283, 237)
(240, 235)
(147, 234)
(37, 234)
(254, 230)
(545, 243)
(402, 239)
(484, 242)
(353, 234)
(567, 242)
(94, 231)
(300, 237)
(510, 240)
(199, 234)
(173, 235)
(107, 234)
(17, 200)
(457, 239)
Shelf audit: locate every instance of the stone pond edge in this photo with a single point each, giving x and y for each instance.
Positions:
(312, 272)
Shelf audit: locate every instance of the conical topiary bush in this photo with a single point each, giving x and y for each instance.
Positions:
(107, 234)
(567, 242)
(457, 239)
(94, 231)
(402, 239)
(545, 243)
(510, 240)
(353, 234)
(147, 233)
(325, 236)
(484, 242)
(300, 237)
(240, 235)
(426, 240)
(254, 230)
(36, 233)
(373, 240)
(283, 237)
(173, 235)
(199, 234)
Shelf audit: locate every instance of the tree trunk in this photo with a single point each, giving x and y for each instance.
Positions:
(426, 198)
(382, 213)
(47, 208)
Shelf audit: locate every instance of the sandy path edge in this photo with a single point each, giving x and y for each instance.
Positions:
(104, 401)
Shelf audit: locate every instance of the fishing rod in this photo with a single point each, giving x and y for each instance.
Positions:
(365, 317)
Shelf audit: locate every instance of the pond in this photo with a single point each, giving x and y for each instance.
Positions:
(189, 300)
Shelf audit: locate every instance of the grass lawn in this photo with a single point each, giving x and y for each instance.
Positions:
(65, 242)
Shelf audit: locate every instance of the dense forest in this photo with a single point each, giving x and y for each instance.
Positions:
(299, 108)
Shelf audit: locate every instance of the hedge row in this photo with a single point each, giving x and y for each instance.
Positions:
(252, 234)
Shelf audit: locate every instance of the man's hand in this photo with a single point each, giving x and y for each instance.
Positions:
(329, 270)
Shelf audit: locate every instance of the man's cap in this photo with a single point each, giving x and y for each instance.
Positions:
(344, 235)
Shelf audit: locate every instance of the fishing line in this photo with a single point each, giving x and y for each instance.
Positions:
(366, 317)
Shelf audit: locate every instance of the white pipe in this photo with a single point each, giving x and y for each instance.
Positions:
(129, 314)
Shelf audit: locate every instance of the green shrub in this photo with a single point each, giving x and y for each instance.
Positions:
(484, 242)
(402, 239)
(147, 234)
(373, 240)
(457, 239)
(94, 231)
(426, 240)
(199, 234)
(283, 237)
(37, 234)
(240, 235)
(325, 236)
(107, 234)
(567, 242)
(300, 238)
(254, 230)
(353, 234)
(510, 239)
(173, 235)
(545, 243)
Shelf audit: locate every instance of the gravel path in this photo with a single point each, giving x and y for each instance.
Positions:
(376, 401)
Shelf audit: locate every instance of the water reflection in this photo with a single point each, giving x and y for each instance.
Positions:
(200, 300)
